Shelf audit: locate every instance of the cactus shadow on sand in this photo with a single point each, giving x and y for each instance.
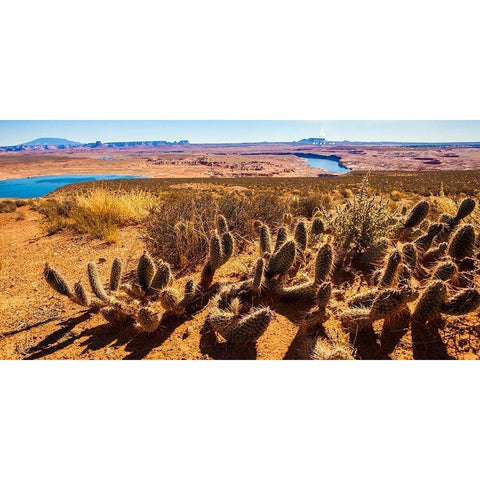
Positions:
(59, 339)
(209, 345)
(143, 343)
(427, 342)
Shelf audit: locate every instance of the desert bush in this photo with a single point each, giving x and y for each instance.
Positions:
(55, 215)
(7, 206)
(179, 227)
(20, 216)
(306, 206)
(362, 220)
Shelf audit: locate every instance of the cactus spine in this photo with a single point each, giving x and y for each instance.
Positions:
(258, 277)
(462, 243)
(355, 320)
(222, 225)
(56, 280)
(81, 295)
(282, 260)
(249, 328)
(317, 226)
(148, 319)
(387, 277)
(145, 271)
(464, 302)
(282, 237)
(445, 271)
(417, 214)
(323, 263)
(301, 236)
(424, 242)
(465, 208)
(430, 302)
(116, 275)
(265, 240)
(96, 283)
(363, 299)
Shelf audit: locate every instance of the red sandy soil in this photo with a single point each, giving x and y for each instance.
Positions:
(35, 322)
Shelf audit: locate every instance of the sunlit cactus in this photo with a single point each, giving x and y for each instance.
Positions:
(56, 280)
(221, 250)
(287, 218)
(95, 282)
(417, 214)
(318, 226)
(257, 225)
(265, 240)
(323, 263)
(388, 274)
(112, 315)
(163, 277)
(222, 225)
(215, 258)
(363, 299)
(170, 301)
(148, 319)
(228, 245)
(258, 276)
(430, 302)
(464, 302)
(250, 327)
(465, 208)
(282, 260)
(424, 242)
(116, 275)
(190, 291)
(355, 320)
(445, 271)
(435, 254)
(81, 295)
(462, 243)
(324, 293)
(391, 301)
(303, 292)
(145, 271)
(282, 237)
(219, 319)
(301, 236)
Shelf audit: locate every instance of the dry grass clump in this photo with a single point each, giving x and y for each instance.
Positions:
(7, 206)
(98, 212)
(101, 213)
(178, 228)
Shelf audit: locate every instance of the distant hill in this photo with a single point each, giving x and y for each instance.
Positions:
(50, 142)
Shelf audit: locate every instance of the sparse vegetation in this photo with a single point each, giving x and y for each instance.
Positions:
(339, 269)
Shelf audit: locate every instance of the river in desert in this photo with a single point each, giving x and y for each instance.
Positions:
(32, 187)
(327, 163)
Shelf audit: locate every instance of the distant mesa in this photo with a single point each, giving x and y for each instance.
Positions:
(51, 142)
(313, 141)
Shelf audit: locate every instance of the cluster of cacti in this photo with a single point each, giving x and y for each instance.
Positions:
(429, 264)
(152, 295)
(222, 245)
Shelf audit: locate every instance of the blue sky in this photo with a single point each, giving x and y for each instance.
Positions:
(13, 132)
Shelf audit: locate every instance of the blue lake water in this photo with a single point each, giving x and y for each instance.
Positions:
(39, 186)
(329, 164)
